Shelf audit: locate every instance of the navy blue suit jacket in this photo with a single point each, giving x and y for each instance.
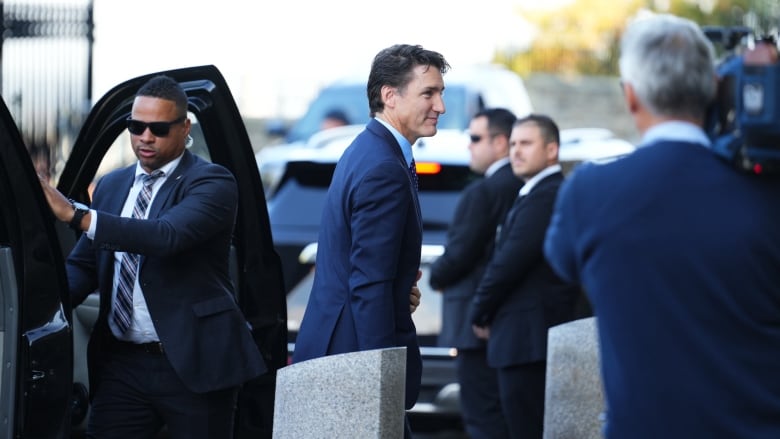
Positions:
(519, 296)
(680, 256)
(367, 258)
(470, 241)
(183, 272)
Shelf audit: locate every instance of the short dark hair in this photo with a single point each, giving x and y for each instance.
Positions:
(548, 127)
(393, 66)
(499, 120)
(165, 87)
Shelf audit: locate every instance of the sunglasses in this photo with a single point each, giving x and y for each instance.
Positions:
(475, 138)
(158, 129)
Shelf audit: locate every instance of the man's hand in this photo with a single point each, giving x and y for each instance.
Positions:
(60, 205)
(415, 295)
(414, 298)
(482, 332)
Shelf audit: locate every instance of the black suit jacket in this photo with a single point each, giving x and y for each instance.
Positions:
(470, 238)
(519, 296)
(183, 272)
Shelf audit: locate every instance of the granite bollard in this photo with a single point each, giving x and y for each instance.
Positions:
(353, 395)
(574, 397)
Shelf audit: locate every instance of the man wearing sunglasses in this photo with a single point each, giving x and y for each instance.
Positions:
(456, 273)
(170, 346)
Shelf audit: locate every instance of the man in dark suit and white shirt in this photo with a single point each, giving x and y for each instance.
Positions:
(179, 352)
(456, 273)
(370, 238)
(519, 297)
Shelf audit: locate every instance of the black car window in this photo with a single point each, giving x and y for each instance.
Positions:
(313, 174)
(301, 193)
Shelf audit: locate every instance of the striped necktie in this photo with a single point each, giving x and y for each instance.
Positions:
(128, 270)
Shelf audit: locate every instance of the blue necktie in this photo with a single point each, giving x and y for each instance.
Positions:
(128, 270)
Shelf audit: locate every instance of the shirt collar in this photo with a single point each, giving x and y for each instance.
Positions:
(166, 168)
(552, 169)
(675, 130)
(406, 147)
(496, 166)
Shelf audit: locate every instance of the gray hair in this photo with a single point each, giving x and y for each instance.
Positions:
(670, 64)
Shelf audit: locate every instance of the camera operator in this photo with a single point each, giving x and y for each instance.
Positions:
(679, 253)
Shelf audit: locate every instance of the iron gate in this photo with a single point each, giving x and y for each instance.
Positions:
(46, 75)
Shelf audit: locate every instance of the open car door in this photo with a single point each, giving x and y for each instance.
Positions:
(35, 328)
(219, 136)
(44, 384)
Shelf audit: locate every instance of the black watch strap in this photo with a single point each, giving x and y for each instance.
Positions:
(78, 215)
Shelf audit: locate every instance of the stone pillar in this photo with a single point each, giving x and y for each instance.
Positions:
(574, 397)
(355, 395)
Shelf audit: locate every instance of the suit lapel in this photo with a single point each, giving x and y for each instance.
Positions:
(166, 190)
(377, 128)
(552, 179)
(511, 214)
(114, 205)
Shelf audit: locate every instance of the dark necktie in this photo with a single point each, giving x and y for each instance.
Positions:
(128, 270)
(413, 171)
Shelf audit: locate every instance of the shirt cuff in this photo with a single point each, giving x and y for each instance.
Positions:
(92, 224)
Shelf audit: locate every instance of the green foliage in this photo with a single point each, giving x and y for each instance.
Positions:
(583, 36)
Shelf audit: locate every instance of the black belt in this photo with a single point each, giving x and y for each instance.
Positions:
(154, 347)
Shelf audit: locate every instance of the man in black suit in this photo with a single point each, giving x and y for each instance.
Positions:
(481, 209)
(170, 345)
(520, 297)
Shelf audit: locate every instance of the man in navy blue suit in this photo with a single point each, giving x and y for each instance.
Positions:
(370, 236)
(178, 354)
(456, 273)
(519, 297)
(679, 253)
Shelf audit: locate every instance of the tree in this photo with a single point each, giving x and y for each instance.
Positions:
(583, 37)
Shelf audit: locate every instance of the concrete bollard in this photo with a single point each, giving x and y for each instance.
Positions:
(574, 396)
(355, 395)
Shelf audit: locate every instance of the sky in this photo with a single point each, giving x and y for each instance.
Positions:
(275, 55)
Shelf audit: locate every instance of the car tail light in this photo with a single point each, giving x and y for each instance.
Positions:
(428, 167)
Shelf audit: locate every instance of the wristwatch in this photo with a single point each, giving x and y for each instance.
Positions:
(79, 210)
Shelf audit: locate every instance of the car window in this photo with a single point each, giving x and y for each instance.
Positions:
(351, 100)
(301, 194)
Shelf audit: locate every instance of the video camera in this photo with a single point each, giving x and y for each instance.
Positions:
(744, 121)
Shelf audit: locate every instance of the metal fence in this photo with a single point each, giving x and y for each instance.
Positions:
(46, 75)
